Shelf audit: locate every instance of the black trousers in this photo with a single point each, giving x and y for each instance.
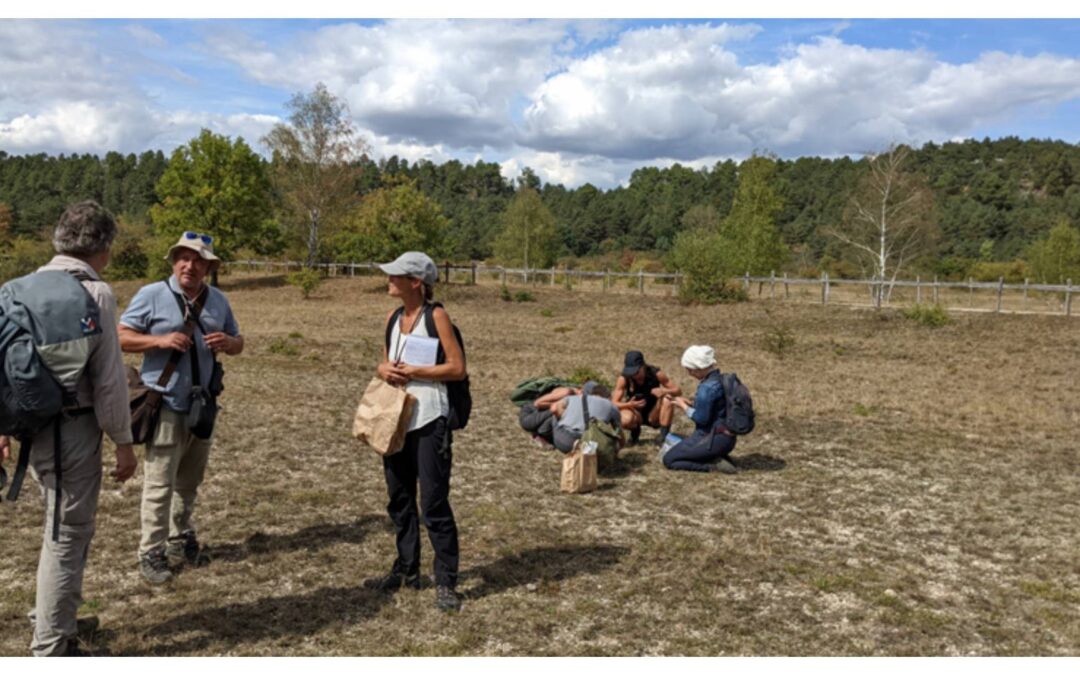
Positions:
(423, 458)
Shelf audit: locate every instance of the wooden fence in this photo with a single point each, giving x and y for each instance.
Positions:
(1031, 298)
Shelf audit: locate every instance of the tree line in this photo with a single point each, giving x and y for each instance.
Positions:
(983, 207)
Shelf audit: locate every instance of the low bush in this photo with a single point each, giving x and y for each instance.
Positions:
(933, 316)
(307, 280)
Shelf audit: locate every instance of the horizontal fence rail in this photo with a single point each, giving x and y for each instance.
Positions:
(880, 291)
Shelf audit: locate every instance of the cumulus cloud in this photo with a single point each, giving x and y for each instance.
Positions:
(416, 81)
(678, 92)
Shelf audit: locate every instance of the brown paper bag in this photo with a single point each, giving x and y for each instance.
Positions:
(382, 418)
(578, 472)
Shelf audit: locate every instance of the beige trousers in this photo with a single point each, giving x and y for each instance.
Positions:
(62, 562)
(172, 472)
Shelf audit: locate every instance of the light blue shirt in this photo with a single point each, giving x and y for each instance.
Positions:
(154, 311)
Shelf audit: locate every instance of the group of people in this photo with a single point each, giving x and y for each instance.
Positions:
(644, 396)
(181, 326)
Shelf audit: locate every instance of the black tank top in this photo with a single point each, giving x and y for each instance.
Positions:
(644, 390)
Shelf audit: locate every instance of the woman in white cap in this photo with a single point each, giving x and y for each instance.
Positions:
(710, 444)
(426, 455)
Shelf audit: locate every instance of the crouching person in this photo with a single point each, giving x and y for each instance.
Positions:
(708, 447)
(186, 316)
(538, 417)
(570, 414)
(82, 240)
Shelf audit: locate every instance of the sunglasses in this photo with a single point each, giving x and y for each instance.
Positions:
(206, 239)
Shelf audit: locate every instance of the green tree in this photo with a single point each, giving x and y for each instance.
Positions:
(218, 187)
(751, 239)
(528, 237)
(316, 164)
(1056, 258)
(390, 221)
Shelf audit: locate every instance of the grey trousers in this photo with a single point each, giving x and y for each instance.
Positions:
(172, 473)
(62, 562)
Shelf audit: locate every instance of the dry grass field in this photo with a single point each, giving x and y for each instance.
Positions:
(908, 491)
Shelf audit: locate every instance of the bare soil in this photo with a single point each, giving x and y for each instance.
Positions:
(907, 491)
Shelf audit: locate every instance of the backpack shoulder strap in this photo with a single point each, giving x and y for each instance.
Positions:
(585, 408)
(390, 325)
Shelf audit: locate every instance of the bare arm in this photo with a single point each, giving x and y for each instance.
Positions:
(619, 394)
(134, 342)
(667, 387)
(552, 397)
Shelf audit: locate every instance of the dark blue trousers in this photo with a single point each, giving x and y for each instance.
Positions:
(698, 450)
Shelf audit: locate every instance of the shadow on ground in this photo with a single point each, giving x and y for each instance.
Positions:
(758, 462)
(536, 565)
(285, 618)
(627, 464)
(308, 539)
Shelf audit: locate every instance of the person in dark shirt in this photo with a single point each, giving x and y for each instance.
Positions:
(642, 395)
(708, 447)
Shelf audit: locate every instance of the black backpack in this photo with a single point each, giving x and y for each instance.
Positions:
(739, 407)
(458, 392)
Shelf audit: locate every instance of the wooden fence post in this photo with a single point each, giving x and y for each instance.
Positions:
(1001, 289)
(824, 288)
(786, 290)
(746, 281)
(675, 285)
(971, 291)
(504, 276)
(935, 290)
(1025, 293)
(918, 290)
(641, 281)
(606, 282)
(1068, 297)
(772, 285)
(474, 273)
(552, 276)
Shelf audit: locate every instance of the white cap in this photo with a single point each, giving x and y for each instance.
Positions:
(699, 357)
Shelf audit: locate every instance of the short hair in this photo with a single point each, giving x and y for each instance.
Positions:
(601, 391)
(84, 229)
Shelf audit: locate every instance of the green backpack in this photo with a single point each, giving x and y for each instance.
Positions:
(600, 433)
(533, 388)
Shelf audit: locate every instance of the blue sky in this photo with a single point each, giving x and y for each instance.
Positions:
(577, 100)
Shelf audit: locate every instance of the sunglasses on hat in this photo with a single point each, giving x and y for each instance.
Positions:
(206, 239)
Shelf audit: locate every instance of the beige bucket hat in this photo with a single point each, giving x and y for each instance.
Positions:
(203, 244)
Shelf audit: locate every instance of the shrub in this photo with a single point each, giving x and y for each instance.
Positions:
(778, 341)
(547, 313)
(24, 256)
(284, 346)
(933, 316)
(307, 280)
(130, 259)
(1014, 271)
(524, 296)
(583, 374)
(504, 294)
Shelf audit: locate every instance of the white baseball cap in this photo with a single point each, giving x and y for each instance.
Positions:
(413, 264)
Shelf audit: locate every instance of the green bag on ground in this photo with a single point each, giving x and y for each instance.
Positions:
(533, 388)
(600, 434)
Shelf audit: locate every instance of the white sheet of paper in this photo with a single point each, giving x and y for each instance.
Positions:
(420, 351)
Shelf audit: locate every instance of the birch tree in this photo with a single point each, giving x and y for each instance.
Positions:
(528, 236)
(315, 163)
(889, 221)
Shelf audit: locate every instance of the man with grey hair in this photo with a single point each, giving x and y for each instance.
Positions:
(179, 325)
(82, 239)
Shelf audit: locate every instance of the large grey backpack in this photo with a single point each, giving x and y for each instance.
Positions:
(47, 324)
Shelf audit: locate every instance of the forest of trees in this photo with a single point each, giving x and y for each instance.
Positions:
(991, 201)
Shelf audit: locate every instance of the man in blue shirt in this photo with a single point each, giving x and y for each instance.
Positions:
(154, 325)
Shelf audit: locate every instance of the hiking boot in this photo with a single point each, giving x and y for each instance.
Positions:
(86, 628)
(73, 649)
(154, 567)
(447, 599)
(393, 582)
(635, 434)
(724, 466)
(185, 550)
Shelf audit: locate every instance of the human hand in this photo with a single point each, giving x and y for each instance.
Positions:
(177, 341)
(637, 403)
(391, 374)
(219, 342)
(5, 449)
(125, 463)
(659, 392)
